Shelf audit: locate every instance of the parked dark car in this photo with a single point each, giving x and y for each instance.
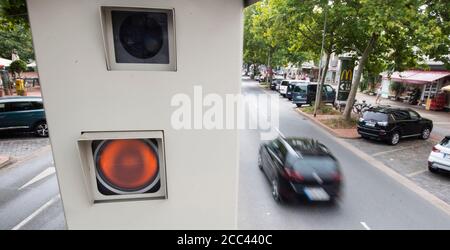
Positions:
(290, 88)
(275, 84)
(300, 168)
(390, 124)
(305, 93)
(23, 114)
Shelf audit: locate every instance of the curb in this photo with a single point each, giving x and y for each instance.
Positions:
(5, 161)
(12, 161)
(331, 131)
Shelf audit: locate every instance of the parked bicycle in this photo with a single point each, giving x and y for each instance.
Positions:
(360, 107)
(340, 106)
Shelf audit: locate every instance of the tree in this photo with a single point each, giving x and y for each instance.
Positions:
(13, 12)
(18, 38)
(17, 67)
(387, 29)
(15, 30)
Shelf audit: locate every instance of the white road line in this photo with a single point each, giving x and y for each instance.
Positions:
(392, 151)
(36, 213)
(365, 225)
(42, 175)
(417, 172)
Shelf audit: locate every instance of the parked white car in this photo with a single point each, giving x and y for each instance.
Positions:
(440, 156)
(284, 87)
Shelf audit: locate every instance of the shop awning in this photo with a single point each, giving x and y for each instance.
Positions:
(5, 62)
(416, 76)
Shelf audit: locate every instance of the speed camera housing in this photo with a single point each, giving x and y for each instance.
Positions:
(95, 106)
(139, 38)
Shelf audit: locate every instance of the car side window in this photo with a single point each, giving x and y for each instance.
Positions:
(38, 105)
(279, 149)
(401, 115)
(2, 107)
(20, 106)
(414, 115)
(329, 89)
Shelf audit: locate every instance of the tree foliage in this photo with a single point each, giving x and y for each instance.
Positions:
(15, 30)
(382, 35)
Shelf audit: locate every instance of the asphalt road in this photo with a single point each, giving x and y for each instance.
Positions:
(371, 199)
(29, 195)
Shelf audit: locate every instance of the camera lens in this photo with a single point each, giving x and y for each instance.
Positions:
(141, 35)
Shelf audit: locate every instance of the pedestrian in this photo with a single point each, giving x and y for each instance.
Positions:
(5, 80)
(378, 100)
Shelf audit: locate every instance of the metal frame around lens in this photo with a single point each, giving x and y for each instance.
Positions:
(117, 191)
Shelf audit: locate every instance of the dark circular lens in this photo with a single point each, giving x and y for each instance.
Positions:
(141, 35)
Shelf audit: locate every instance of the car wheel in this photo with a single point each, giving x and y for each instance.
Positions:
(433, 170)
(275, 191)
(299, 105)
(425, 134)
(395, 138)
(41, 129)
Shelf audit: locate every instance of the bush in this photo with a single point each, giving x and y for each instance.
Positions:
(18, 66)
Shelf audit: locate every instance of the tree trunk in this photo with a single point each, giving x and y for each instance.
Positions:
(357, 77)
(320, 84)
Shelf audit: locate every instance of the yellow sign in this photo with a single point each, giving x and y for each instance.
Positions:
(347, 75)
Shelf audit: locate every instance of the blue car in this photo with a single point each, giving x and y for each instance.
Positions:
(23, 114)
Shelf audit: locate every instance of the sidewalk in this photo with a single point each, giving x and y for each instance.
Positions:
(441, 120)
(31, 91)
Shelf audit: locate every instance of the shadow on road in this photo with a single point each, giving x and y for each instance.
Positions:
(18, 135)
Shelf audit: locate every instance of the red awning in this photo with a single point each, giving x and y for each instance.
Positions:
(417, 76)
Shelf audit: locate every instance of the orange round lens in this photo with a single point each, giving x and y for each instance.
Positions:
(127, 165)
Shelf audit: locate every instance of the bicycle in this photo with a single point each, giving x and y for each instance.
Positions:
(361, 108)
(340, 106)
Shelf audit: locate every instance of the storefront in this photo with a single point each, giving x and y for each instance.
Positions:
(429, 83)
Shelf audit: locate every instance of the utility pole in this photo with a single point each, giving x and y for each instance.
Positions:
(319, 83)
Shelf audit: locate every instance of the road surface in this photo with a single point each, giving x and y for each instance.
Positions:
(29, 195)
(371, 199)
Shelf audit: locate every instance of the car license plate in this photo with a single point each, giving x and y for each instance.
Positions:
(316, 194)
(370, 124)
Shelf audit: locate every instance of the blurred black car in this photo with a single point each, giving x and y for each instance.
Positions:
(300, 168)
(390, 124)
(275, 84)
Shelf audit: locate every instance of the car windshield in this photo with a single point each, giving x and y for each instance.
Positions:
(284, 83)
(376, 116)
(316, 162)
(300, 89)
(446, 142)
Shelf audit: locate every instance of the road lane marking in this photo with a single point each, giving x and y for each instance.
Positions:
(47, 172)
(392, 151)
(417, 172)
(36, 213)
(365, 225)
